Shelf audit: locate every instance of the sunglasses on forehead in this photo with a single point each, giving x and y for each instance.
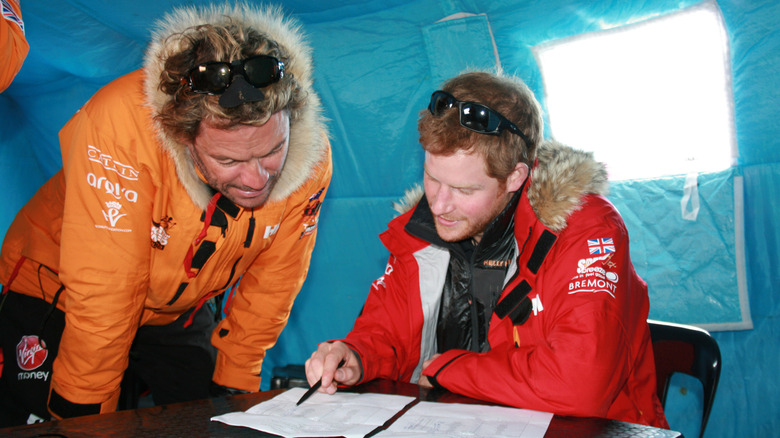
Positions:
(215, 77)
(474, 116)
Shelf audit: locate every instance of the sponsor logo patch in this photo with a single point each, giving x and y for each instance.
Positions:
(160, 234)
(308, 229)
(536, 304)
(495, 264)
(31, 353)
(10, 15)
(381, 280)
(270, 230)
(311, 214)
(601, 246)
(112, 215)
(114, 189)
(593, 278)
(108, 163)
(585, 264)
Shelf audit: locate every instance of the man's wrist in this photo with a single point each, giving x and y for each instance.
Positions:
(60, 407)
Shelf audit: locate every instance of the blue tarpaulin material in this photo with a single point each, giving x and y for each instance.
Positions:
(376, 64)
(703, 283)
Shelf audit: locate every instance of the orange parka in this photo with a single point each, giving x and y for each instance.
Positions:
(136, 237)
(13, 44)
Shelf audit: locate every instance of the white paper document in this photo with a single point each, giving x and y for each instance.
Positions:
(355, 415)
(322, 415)
(428, 419)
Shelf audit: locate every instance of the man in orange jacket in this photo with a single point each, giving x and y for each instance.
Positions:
(205, 167)
(13, 44)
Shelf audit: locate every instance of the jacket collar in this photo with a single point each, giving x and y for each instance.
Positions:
(560, 180)
(556, 187)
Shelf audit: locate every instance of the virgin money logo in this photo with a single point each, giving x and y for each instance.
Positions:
(31, 353)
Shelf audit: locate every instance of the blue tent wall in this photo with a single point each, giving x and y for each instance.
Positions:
(374, 71)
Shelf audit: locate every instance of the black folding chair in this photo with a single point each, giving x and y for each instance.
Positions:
(680, 348)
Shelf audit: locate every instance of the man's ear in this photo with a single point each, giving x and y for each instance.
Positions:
(516, 179)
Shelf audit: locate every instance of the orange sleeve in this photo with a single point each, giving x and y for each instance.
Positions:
(104, 246)
(13, 45)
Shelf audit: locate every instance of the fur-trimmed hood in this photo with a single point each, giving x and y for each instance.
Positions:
(559, 181)
(308, 142)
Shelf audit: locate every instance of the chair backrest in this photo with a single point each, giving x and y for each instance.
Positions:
(680, 348)
(289, 376)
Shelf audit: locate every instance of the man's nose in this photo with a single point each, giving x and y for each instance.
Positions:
(440, 201)
(254, 175)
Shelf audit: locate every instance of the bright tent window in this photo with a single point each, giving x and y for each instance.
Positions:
(650, 99)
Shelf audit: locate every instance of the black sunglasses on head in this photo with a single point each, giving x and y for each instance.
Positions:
(474, 116)
(215, 77)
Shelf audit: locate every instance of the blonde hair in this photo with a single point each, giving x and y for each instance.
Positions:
(232, 32)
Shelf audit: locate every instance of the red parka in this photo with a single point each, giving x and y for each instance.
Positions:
(585, 348)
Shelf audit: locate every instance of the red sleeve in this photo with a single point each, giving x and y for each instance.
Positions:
(579, 357)
(386, 335)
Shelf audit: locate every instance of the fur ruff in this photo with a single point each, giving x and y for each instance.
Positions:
(558, 184)
(307, 133)
(562, 179)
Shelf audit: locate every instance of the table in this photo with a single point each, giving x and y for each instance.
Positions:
(191, 419)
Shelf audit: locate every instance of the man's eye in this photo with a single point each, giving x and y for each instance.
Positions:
(275, 151)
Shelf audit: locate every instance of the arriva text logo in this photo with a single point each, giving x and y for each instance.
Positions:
(113, 189)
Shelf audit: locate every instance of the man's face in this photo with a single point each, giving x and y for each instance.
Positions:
(244, 162)
(461, 195)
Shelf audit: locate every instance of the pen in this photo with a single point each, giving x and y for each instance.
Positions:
(315, 387)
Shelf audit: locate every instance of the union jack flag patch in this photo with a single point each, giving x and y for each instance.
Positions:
(10, 15)
(601, 246)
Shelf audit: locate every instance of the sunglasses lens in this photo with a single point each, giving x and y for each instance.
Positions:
(478, 118)
(210, 77)
(262, 71)
(440, 101)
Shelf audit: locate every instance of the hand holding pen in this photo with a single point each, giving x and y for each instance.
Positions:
(332, 364)
(315, 387)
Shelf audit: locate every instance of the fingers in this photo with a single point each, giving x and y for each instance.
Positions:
(423, 380)
(331, 362)
(335, 363)
(316, 363)
(430, 361)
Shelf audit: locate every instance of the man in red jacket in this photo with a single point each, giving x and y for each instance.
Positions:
(510, 280)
